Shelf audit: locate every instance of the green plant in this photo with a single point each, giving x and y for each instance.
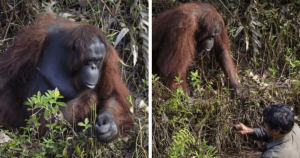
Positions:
(184, 144)
(181, 144)
(54, 143)
(274, 71)
(155, 78)
(30, 143)
(206, 151)
(178, 80)
(86, 124)
(195, 78)
(130, 100)
(176, 104)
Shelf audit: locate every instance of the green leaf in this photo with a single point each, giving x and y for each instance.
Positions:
(65, 152)
(18, 149)
(51, 93)
(55, 108)
(81, 124)
(62, 104)
(131, 109)
(25, 154)
(29, 102)
(77, 150)
(43, 99)
(39, 96)
(86, 121)
(129, 98)
(60, 96)
(46, 114)
(47, 95)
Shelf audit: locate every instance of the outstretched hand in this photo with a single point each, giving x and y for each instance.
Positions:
(242, 129)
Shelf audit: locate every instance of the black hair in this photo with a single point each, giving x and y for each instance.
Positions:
(279, 117)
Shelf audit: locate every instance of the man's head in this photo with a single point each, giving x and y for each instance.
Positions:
(278, 120)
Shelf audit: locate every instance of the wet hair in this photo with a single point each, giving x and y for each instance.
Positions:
(279, 117)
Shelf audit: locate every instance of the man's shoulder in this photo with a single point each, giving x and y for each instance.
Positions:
(296, 127)
(295, 134)
(280, 153)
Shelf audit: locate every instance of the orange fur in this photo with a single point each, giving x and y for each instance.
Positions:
(175, 33)
(19, 63)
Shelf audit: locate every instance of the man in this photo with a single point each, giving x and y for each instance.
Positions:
(281, 133)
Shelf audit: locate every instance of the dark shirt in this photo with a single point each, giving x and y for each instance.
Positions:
(286, 147)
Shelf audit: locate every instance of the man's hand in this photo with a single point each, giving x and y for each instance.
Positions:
(242, 129)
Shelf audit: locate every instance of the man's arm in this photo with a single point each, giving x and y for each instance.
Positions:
(260, 134)
(257, 133)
